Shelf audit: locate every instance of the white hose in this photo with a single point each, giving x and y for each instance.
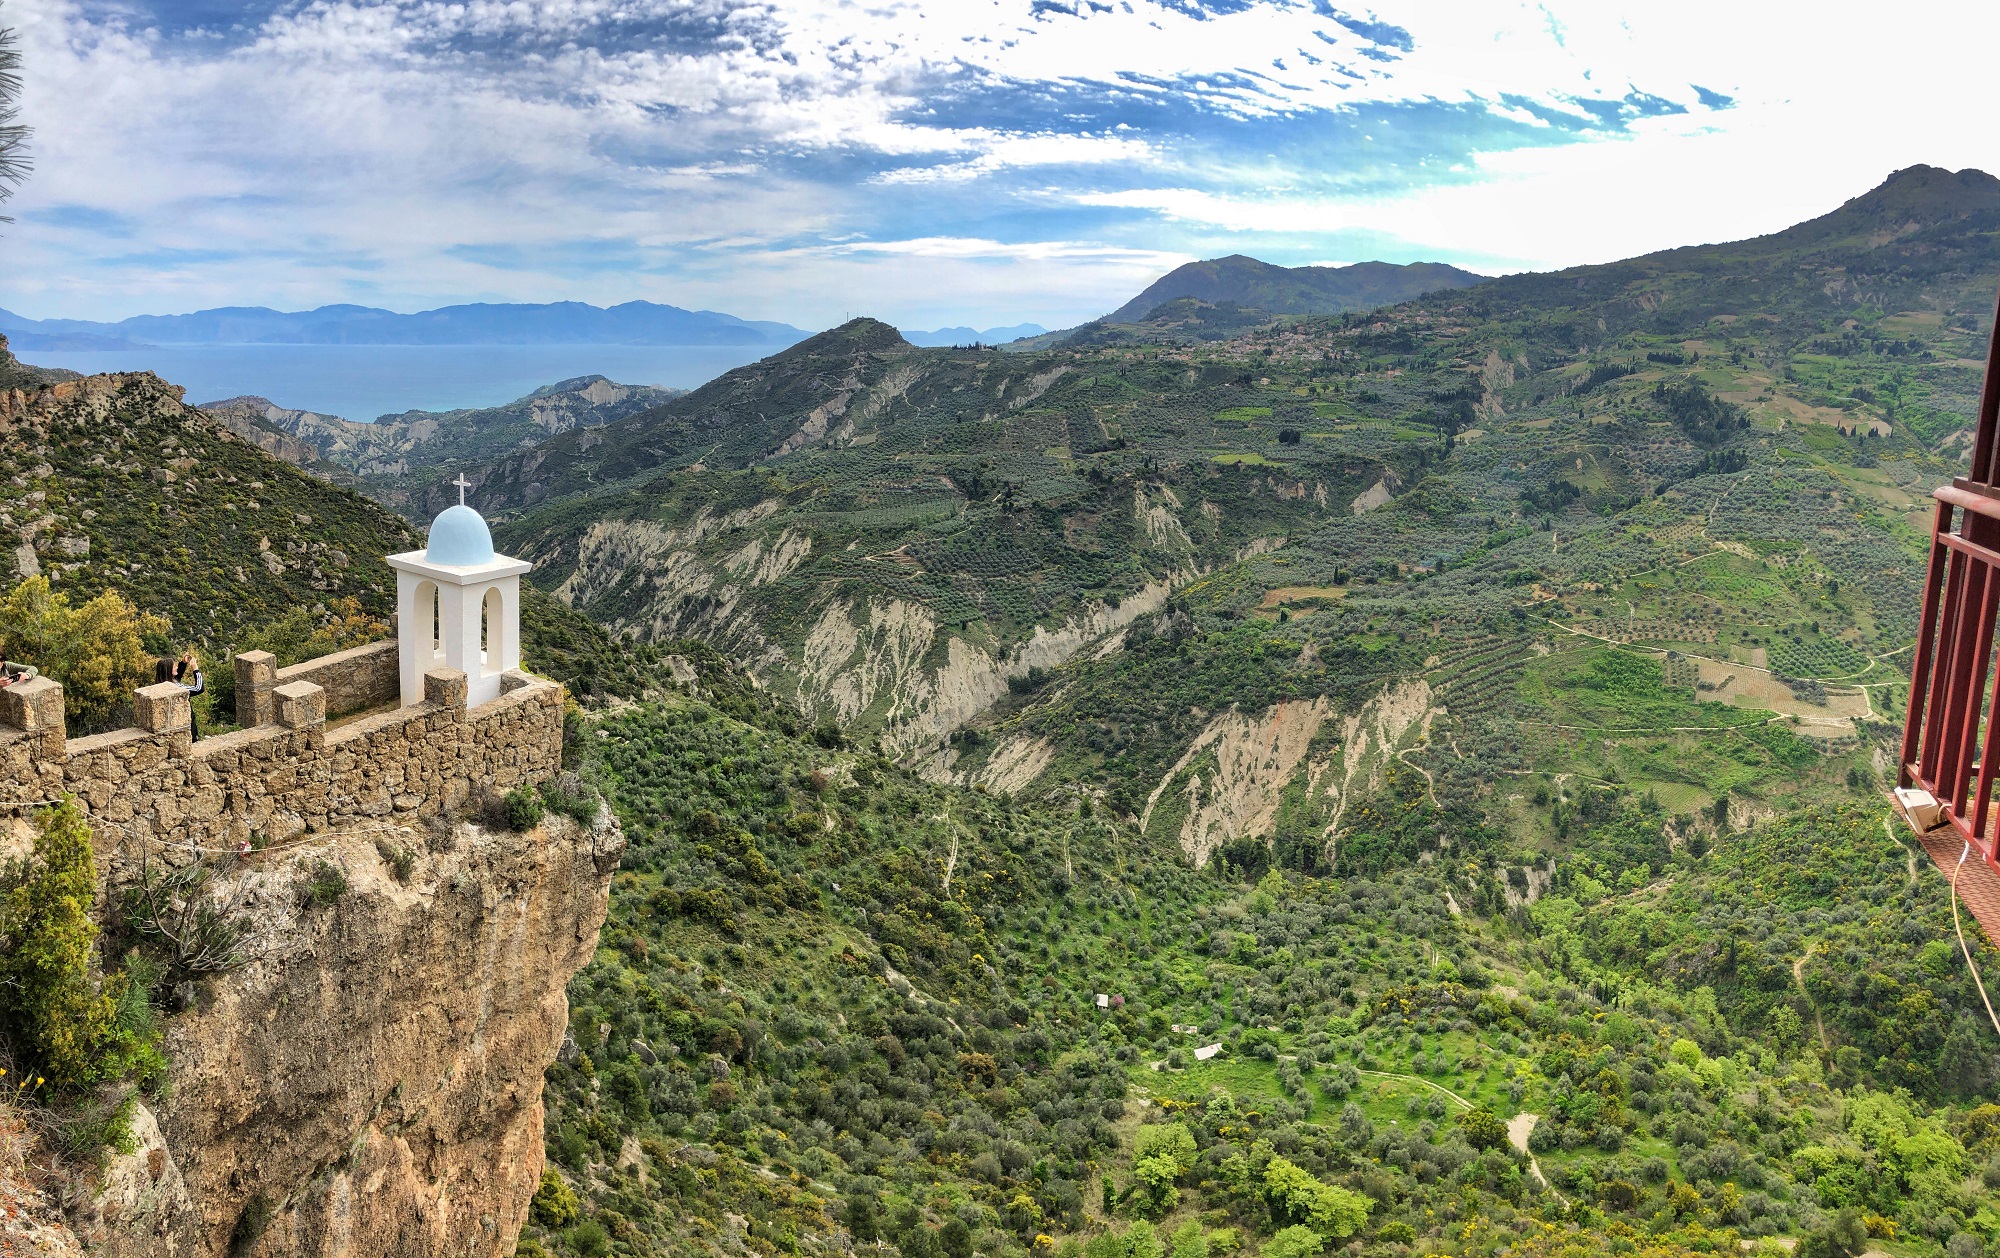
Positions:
(1961, 937)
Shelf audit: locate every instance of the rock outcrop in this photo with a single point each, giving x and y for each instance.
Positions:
(1230, 782)
(395, 444)
(1248, 763)
(369, 1084)
(31, 1221)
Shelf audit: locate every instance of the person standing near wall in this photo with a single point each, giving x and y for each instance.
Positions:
(187, 672)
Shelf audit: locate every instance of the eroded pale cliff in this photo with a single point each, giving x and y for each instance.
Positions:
(369, 1084)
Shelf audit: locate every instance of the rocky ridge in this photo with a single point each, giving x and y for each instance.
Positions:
(107, 482)
(370, 1083)
(387, 452)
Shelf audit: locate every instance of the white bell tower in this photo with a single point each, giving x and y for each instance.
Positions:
(458, 605)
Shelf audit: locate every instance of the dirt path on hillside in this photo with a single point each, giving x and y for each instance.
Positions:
(1430, 783)
(1387, 1074)
(1720, 499)
(1909, 857)
(1519, 1128)
(1799, 977)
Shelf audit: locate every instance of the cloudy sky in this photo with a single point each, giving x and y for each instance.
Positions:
(932, 161)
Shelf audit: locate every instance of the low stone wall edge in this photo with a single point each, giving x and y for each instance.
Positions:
(355, 679)
(157, 797)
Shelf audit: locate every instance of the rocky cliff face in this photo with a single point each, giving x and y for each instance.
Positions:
(31, 1219)
(256, 420)
(395, 446)
(370, 1083)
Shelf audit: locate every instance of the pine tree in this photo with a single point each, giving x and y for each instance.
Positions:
(14, 163)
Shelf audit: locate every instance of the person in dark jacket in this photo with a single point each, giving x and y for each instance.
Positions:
(187, 672)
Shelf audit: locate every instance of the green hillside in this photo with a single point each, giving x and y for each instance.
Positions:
(893, 536)
(1674, 548)
(1479, 705)
(110, 483)
(913, 542)
(837, 1003)
(1429, 731)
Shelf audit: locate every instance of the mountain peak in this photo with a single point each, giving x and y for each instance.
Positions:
(857, 335)
(1931, 192)
(1242, 280)
(1912, 198)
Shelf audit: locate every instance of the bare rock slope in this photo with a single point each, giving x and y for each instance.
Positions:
(396, 447)
(370, 1084)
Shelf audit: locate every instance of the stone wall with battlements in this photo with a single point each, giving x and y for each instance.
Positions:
(365, 677)
(152, 792)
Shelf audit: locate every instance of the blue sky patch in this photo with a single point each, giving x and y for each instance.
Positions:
(791, 159)
(1386, 34)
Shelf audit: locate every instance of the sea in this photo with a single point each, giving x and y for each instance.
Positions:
(363, 382)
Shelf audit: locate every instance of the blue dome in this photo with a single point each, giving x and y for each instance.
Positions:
(459, 538)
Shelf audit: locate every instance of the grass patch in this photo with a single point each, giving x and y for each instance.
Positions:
(1604, 688)
(1293, 595)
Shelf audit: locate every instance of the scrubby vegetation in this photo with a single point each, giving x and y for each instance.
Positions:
(75, 1038)
(834, 998)
(100, 652)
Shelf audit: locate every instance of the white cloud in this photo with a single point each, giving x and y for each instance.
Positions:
(789, 158)
(1033, 251)
(1020, 152)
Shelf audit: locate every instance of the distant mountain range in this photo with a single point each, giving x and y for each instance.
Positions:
(945, 337)
(1235, 280)
(1301, 290)
(554, 323)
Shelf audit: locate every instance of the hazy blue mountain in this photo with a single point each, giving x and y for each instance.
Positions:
(554, 323)
(1302, 290)
(945, 337)
(22, 338)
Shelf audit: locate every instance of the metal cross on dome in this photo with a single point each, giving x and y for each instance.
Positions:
(463, 485)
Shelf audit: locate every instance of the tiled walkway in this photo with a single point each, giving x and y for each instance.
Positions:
(1978, 884)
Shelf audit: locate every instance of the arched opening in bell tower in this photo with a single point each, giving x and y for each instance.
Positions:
(492, 619)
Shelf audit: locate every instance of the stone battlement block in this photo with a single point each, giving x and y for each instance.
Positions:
(445, 687)
(256, 678)
(300, 704)
(36, 707)
(162, 708)
(363, 677)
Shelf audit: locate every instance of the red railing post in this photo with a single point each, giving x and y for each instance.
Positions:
(1949, 718)
(1920, 666)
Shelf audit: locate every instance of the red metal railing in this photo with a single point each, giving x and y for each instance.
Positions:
(1951, 747)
